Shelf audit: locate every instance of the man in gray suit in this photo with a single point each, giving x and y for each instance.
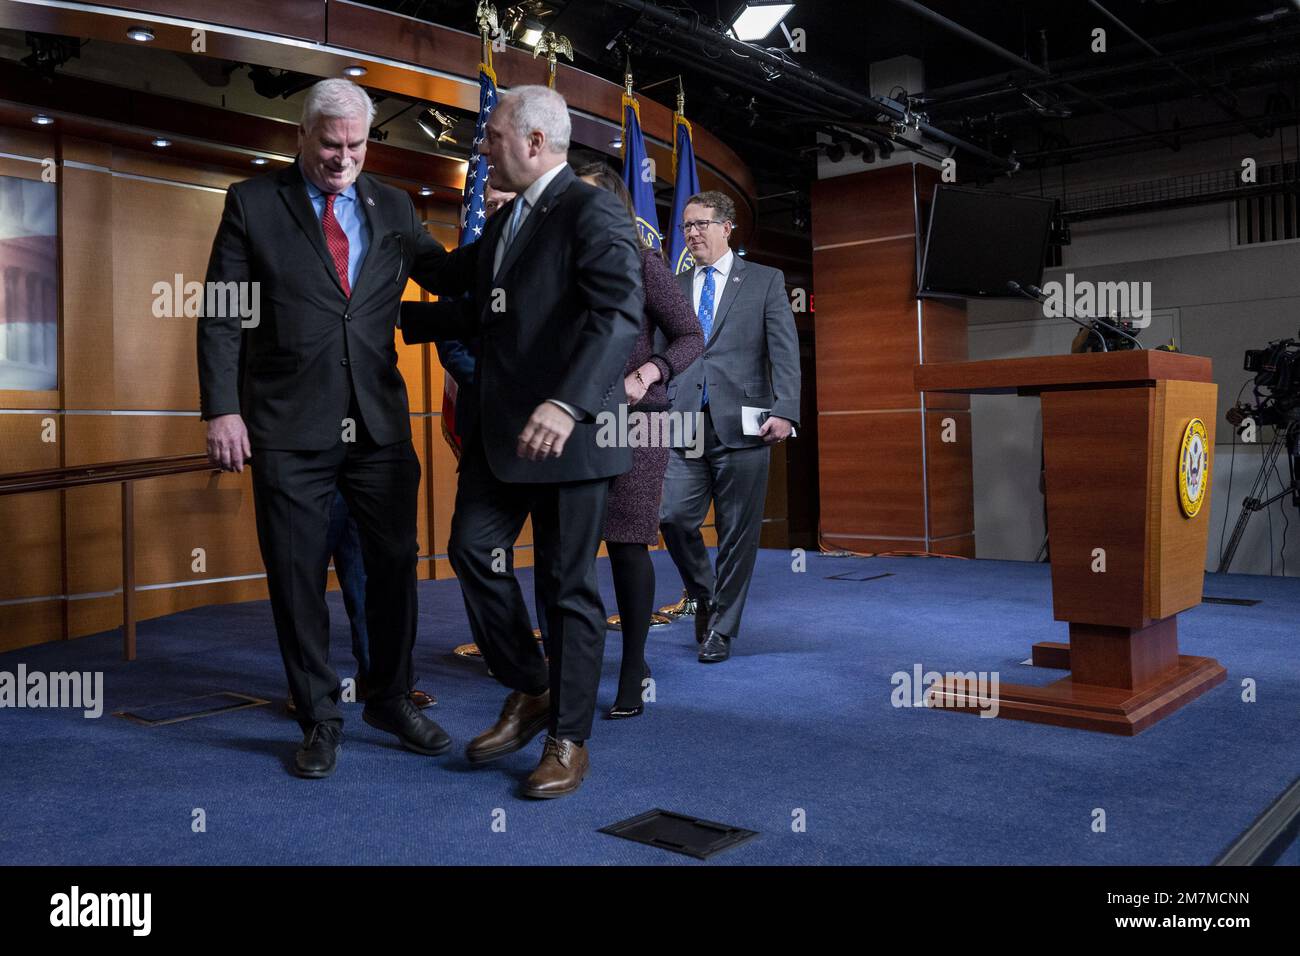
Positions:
(751, 359)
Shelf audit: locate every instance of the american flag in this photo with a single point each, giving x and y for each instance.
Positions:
(473, 215)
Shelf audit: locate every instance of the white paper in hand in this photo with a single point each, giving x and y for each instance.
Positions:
(751, 421)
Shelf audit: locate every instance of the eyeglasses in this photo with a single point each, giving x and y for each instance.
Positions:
(700, 224)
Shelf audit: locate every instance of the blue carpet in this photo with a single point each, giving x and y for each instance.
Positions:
(799, 720)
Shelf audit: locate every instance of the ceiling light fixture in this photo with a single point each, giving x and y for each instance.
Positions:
(757, 18)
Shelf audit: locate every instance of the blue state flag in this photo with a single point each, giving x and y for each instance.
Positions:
(686, 183)
(638, 175)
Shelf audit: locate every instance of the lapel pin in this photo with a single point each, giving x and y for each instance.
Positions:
(369, 201)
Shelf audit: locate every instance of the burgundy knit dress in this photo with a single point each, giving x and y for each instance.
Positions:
(632, 515)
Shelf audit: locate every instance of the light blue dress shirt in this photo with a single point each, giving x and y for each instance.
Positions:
(347, 211)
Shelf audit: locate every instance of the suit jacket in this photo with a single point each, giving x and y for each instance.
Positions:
(292, 375)
(557, 322)
(751, 356)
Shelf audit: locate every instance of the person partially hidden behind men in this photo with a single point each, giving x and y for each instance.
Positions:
(556, 306)
(751, 360)
(312, 395)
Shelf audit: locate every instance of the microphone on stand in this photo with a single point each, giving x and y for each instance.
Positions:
(1113, 326)
(1038, 295)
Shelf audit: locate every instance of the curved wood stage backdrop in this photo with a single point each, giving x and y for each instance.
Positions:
(131, 216)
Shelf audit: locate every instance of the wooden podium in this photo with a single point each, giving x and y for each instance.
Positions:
(1125, 557)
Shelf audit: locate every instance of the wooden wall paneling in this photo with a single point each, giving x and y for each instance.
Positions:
(30, 623)
(96, 615)
(30, 525)
(160, 232)
(865, 544)
(950, 485)
(866, 327)
(871, 474)
(944, 339)
(87, 335)
(864, 206)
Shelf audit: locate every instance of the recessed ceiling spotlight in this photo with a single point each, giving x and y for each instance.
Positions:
(140, 34)
(354, 70)
(40, 119)
(161, 142)
(426, 190)
(260, 160)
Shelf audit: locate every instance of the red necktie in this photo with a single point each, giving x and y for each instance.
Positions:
(337, 241)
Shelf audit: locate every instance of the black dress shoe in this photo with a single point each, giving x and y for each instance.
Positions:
(703, 609)
(402, 719)
(319, 753)
(715, 649)
(623, 713)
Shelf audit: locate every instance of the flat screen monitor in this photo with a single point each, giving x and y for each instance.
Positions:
(978, 241)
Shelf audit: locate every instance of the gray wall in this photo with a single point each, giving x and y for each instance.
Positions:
(1212, 298)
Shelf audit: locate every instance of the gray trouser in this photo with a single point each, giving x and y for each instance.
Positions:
(734, 481)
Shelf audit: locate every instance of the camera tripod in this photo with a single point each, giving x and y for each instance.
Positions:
(1284, 438)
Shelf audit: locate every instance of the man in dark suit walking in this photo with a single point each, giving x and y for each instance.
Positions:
(557, 302)
(309, 391)
(751, 360)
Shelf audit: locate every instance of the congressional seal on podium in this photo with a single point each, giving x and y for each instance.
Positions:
(1193, 468)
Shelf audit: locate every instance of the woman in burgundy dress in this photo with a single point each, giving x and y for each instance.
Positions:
(632, 515)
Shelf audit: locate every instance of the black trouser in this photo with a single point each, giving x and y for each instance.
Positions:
(292, 494)
(567, 522)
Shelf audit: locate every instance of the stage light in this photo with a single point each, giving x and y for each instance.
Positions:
(140, 34)
(532, 32)
(435, 125)
(354, 70)
(161, 142)
(40, 119)
(755, 20)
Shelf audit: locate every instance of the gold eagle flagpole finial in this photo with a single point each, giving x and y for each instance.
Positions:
(553, 44)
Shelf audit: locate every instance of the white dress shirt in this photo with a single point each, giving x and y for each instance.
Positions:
(529, 199)
(722, 269)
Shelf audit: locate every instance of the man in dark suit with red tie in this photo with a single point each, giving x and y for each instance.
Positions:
(308, 392)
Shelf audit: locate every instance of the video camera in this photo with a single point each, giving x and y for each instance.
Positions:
(1277, 384)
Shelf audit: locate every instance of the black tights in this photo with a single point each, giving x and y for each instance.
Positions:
(634, 587)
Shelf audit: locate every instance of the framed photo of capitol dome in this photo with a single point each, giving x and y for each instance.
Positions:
(29, 285)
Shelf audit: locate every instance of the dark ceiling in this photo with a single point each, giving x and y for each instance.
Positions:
(1174, 71)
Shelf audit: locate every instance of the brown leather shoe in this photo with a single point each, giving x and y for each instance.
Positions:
(522, 718)
(422, 700)
(560, 773)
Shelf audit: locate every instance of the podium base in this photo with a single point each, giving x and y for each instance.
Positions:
(1067, 703)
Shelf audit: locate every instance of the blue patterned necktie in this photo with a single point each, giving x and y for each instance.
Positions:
(706, 319)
